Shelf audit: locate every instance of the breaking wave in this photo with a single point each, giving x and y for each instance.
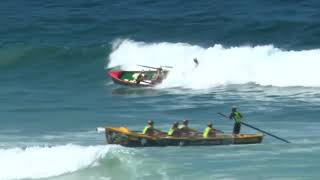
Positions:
(218, 65)
(41, 162)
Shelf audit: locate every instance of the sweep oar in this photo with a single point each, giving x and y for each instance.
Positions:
(248, 125)
(148, 66)
(167, 66)
(154, 67)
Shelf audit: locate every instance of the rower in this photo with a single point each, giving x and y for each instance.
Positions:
(186, 130)
(209, 131)
(150, 130)
(140, 77)
(159, 74)
(134, 77)
(174, 131)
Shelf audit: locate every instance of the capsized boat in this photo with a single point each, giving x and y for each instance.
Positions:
(125, 137)
(129, 78)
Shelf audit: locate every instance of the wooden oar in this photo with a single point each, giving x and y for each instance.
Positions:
(248, 125)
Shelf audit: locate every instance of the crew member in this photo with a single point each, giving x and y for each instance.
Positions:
(209, 131)
(140, 77)
(150, 130)
(196, 62)
(184, 129)
(236, 116)
(174, 131)
(159, 75)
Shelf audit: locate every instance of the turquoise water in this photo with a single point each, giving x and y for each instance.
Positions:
(260, 56)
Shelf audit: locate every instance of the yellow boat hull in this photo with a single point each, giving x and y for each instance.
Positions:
(126, 137)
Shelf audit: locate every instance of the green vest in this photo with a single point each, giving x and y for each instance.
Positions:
(206, 132)
(171, 131)
(145, 130)
(237, 117)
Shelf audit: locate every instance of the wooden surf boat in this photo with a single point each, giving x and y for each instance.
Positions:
(129, 78)
(125, 137)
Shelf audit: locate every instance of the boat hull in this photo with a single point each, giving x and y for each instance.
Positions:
(125, 137)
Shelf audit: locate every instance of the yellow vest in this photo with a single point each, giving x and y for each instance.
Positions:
(145, 130)
(207, 131)
(171, 131)
(237, 117)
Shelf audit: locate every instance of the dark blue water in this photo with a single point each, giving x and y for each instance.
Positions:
(260, 56)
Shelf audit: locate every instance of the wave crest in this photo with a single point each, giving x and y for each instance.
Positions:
(41, 162)
(263, 65)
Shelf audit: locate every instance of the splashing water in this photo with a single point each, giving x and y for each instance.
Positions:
(218, 65)
(40, 162)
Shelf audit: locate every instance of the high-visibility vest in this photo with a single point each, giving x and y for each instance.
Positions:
(145, 130)
(171, 131)
(206, 132)
(237, 117)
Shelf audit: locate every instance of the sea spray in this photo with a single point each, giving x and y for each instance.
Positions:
(263, 65)
(41, 162)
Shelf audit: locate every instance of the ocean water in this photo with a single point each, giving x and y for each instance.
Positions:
(262, 57)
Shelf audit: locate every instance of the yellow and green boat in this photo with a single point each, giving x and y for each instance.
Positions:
(125, 137)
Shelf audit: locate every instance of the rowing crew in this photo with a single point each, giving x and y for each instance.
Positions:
(140, 77)
(184, 130)
(181, 131)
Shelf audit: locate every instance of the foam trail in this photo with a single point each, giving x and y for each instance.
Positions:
(264, 65)
(41, 162)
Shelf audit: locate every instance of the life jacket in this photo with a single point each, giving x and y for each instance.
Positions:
(207, 132)
(237, 117)
(145, 130)
(171, 131)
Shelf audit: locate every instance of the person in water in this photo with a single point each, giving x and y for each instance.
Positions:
(209, 131)
(150, 130)
(196, 62)
(184, 129)
(174, 130)
(237, 117)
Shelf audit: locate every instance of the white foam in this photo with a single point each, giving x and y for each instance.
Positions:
(41, 162)
(264, 65)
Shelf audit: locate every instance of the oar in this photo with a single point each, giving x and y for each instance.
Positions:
(167, 66)
(148, 66)
(248, 125)
(154, 67)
